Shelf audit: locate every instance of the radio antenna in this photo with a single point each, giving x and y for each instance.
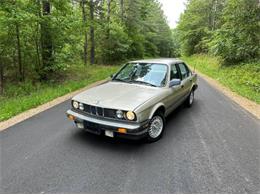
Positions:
(194, 68)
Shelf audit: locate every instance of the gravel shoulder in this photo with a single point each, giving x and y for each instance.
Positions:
(245, 103)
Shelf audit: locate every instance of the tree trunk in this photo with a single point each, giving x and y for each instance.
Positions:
(215, 9)
(101, 11)
(38, 66)
(38, 39)
(46, 39)
(19, 56)
(122, 9)
(108, 17)
(84, 16)
(92, 33)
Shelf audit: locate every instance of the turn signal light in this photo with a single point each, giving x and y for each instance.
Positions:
(71, 117)
(121, 130)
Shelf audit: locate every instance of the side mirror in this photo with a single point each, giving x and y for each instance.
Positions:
(175, 82)
(112, 75)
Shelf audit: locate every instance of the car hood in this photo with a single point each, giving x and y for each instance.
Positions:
(117, 95)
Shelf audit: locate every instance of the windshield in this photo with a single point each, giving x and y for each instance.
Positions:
(143, 73)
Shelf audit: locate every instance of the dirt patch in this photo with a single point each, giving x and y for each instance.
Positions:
(29, 113)
(245, 103)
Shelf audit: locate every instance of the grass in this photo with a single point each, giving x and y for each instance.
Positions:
(243, 78)
(22, 97)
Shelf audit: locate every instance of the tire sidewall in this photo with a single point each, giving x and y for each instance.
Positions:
(188, 99)
(151, 139)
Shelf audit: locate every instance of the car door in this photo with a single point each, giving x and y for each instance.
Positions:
(175, 92)
(186, 80)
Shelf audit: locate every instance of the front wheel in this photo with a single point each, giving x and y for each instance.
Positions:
(190, 99)
(156, 127)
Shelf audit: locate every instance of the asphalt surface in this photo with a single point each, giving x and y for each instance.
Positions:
(213, 147)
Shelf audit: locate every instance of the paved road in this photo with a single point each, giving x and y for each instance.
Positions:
(212, 147)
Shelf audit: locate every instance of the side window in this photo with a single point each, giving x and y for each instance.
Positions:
(174, 72)
(184, 71)
(188, 70)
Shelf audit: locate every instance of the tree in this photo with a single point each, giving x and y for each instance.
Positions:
(122, 9)
(175, 47)
(198, 23)
(108, 17)
(84, 16)
(92, 32)
(41, 39)
(46, 40)
(236, 39)
(19, 55)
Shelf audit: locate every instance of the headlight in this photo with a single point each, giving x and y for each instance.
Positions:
(130, 115)
(119, 114)
(75, 104)
(81, 106)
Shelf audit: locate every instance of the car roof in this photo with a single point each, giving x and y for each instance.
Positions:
(159, 61)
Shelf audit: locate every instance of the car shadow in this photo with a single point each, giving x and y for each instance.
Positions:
(176, 121)
(105, 143)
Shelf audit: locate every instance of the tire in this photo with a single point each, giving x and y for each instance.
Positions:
(190, 99)
(157, 120)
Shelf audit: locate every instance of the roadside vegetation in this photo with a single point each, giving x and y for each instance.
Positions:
(221, 38)
(243, 78)
(19, 98)
(51, 47)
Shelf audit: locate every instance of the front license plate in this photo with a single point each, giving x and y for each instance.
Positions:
(80, 125)
(109, 133)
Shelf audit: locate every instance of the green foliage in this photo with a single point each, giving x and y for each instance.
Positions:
(196, 23)
(238, 38)
(19, 98)
(116, 45)
(175, 48)
(50, 40)
(243, 78)
(225, 28)
(41, 39)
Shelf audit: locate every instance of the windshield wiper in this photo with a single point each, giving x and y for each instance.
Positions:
(121, 80)
(145, 83)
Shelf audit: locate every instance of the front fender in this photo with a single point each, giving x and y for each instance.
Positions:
(155, 108)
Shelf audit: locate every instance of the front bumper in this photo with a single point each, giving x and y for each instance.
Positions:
(98, 126)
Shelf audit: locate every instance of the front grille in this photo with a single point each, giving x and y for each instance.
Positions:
(98, 111)
(93, 110)
(87, 108)
(110, 113)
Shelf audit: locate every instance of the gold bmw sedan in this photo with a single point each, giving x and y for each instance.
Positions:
(135, 101)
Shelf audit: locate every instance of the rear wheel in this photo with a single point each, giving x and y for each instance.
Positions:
(156, 127)
(190, 99)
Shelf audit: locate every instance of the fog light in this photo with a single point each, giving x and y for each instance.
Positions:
(119, 114)
(121, 130)
(81, 106)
